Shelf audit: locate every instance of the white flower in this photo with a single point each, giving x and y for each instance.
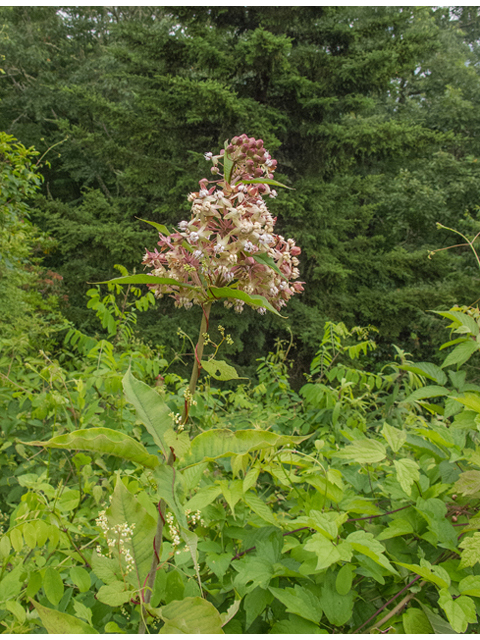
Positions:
(183, 225)
(273, 194)
(193, 237)
(208, 155)
(261, 310)
(203, 193)
(197, 254)
(219, 248)
(248, 246)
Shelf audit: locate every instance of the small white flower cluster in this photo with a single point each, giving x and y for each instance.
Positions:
(173, 530)
(194, 518)
(118, 537)
(189, 398)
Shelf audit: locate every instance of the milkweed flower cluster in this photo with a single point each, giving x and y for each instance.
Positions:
(229, 240)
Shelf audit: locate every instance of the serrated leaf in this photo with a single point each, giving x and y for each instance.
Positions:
(300, 601)
(254, 604)
(336, 607)
(191, 616)
(436, 575)
(397, 527)
(439, 625)
(107, 569)
(394, 437)
(468, 483)
(159, 227)
(470, 586)
(327, 553)
(364, 543)
(259, 507)
(252, 572)
(150, 408)
(459, 612)
(408, 473)
(220, 370)
(469, 400)
(363, 451)
(431, 391)
(471, 550)
(16, 608)
(461, 353)
(82, 611)
(61, 623)
(253, 300)
(204, 497)
(101, 440)
(217, 443)
(460, 320)
(426, 369)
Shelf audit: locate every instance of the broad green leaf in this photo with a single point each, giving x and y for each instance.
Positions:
(254, 604)
(258, 506)
(81, 578)
(179, 442)
(191, 616)
(150, 408)
(16, 538)
(144, 278)
(299, 601)
(231, 612)
(468, 483)
(426, 369)
(227, 167)
(469, 400)
(439, 625)
(272, 183)
(336, 607)
(61, 623)
(159, 227)
(431, 391)
(395, 438)
(107, 569)
(53, 585)
(397, 527)
(268, 261)
(204, 497)
(220, 370)
(343, 582)
(321, 522)
(416, 622)
(82, 611)
(295, 625)
(327, 553)
(217, 443)
(459, 612)
(471, 550)
(16, 608)
(436, 575)
(218, 563)
(5, 547)
(29, 535)
(327, 488)
(363, 451)
(252, 572)
(460, 320)
(114, 594)
(364, 543)
(461, 354)
(408, 473)
(470, 586)
(232, 492)
(253, 300)
(101, 440)
(165, 477)
(126, 510)
(10, 585)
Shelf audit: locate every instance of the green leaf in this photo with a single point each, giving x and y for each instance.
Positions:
(101, 440)
(327, 553)
(217, 443)
(10, 585)
(61, 623)
(299, 601)
(468, 483)
(394, 437)
(191, 616)
(469, 400)
(426, 369)
(431, 391)
(114, 594)
(398, 527)
(53, 585)
(167, 486)
(254, 604)
(227, 167)
(415, 621)
(471, 550)
(439, 625)
(325, 486)
(336, 607)
(363, 451)
(437, 575)
(470, 586)
(150, 408)
(269, 181)
(459, 612)
(295, 625)
(408, 473)
(343, 582)
(253, 300)
(82, 611)
(252, 572)
(460, 320)
(461, 354)
(258, 506)
(268, 261)
(144, 278)
(159, 227)
(364, 543)
(204, 497)
(81, 578)
(220, 370)
(126, 510)
(16, 608)
(107, 569)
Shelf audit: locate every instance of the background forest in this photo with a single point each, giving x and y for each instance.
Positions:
(329, 482)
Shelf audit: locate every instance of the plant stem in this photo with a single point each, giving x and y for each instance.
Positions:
(199, 348)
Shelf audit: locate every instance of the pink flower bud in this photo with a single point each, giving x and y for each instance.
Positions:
(259, 144)
(244, 148)
(274, 164)
(242, 156)
(222, 151)
(249, 261)
(295, 251)
(250, 163)
(253, 141)
(262, 158)
(271, 176)
(261, 188)
(235, 140)
(258, 172)
(298, 286)
(230, 148)
(250, 153)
